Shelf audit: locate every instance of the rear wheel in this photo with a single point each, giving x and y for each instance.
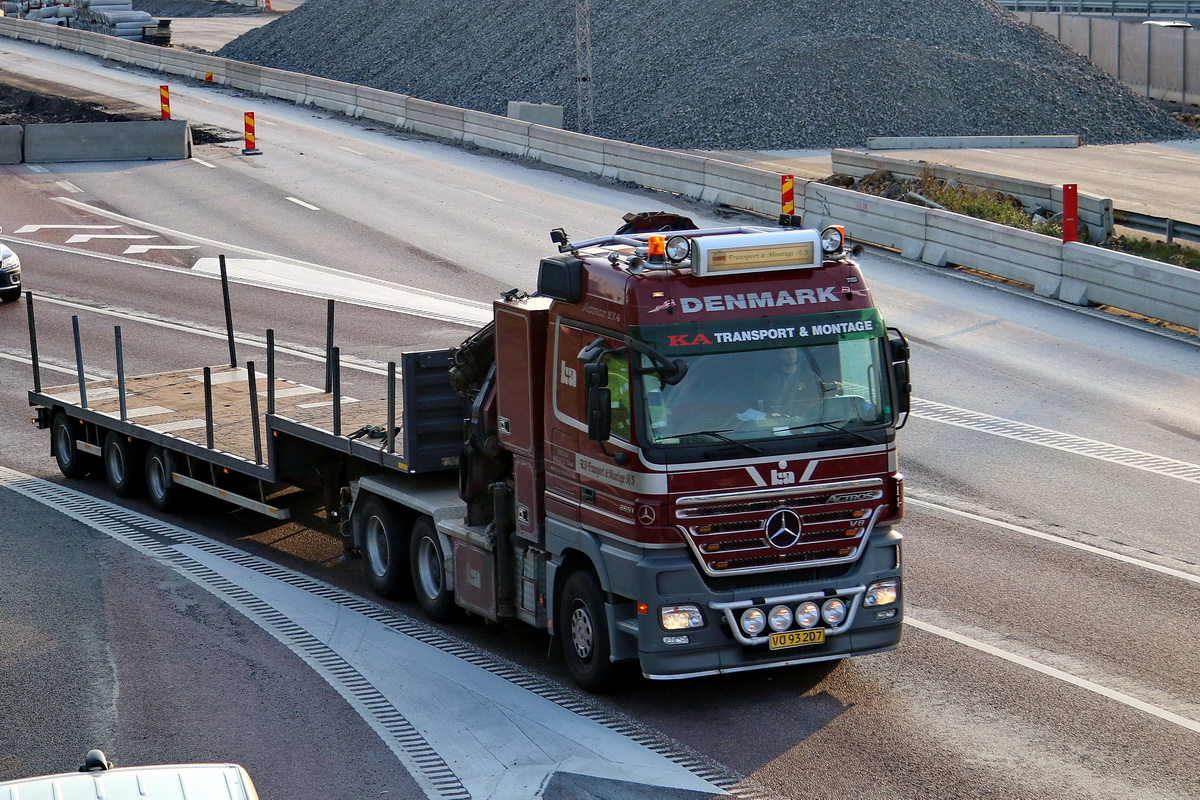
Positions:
(72, 462)
(383, 543)
(429, 578)
(122, 467)
(164, 492)
(582, 628)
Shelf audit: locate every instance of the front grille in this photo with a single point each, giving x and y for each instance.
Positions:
(746, 534)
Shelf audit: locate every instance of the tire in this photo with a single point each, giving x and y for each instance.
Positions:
(164, 492)
(72, 462)
(430, 582)
(123, 465)
(383, 544)
(582, 628)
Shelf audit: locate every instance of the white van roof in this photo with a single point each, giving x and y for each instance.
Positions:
(164, 782)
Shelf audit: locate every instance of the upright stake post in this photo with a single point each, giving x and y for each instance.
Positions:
(228, 312)
(391, 407)
(33, 349)
(79, 362)
(270, 371)
(328, 345)
(120, 373)
(337, 392)
(253, 384)
(208, 408)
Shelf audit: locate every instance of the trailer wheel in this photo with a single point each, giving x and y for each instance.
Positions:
(122, 467)
(383, 542)
(164, 492)
(582, 627)
(429, 578)
(72, 462)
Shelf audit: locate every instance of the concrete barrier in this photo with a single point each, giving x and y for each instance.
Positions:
(107, 141)
(965, 142)
(1095, 212)
(11, 141)
(1074, 272)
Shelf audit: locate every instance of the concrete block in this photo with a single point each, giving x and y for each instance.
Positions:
(107, 141)
(550, 114)
(967, 142)
(1048, 286)
(1074, 292)
(912, 248)
(934, 254)
(502, 134)
(12, 138)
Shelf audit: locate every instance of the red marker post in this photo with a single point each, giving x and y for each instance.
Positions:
(787, 190)
(164, 101)
(1070, 213)
(250, 149)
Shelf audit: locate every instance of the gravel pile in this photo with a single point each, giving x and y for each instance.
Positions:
(715, 74)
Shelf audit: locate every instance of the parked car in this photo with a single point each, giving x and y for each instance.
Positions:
(10, 274)
(98, 778)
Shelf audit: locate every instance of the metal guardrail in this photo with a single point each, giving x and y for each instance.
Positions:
(1170, 228)
(1129, 8)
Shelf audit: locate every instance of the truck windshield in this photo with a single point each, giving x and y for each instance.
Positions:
(763, 393)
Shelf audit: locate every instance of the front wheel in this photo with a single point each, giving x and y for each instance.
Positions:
(583, 630)
(429, 578)
(72, 462)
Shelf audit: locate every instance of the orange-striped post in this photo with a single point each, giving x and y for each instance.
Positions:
(250, 149)
(208, 76)
(787, 189)
(164, 101)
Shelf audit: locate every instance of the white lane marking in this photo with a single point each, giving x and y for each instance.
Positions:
(70, 187)
(350, 150)
(227, 247)
(145, 248)
(203, 163)
(53, 367)
(488, 196)
(1087, 548)
(1058, 674)
(366, 291)
(299, 202)
(87, 237)
(1045, 437)
(460, 728)
(36, 228)
(35, 168)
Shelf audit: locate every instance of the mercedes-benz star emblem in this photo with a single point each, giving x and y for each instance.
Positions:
(783, 528)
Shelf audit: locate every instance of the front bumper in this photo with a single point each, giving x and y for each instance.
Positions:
(720, 646)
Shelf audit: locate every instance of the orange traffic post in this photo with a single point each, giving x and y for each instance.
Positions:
(250, 149)
(164, 101)
(787, 187)
(1070, 215)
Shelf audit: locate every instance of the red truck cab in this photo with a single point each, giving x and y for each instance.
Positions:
(702, 429)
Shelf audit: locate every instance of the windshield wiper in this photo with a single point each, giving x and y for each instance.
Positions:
(718, 435)
(833, 427)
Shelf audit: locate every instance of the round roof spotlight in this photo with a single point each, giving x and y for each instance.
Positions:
(833, 239)
(678, 249)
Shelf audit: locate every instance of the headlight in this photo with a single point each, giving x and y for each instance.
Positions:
(780, 618)
(833, 238)
(808, 615)
(753, 621)
(881, 593)
(834, 611)
(678, 618)
(10, 262)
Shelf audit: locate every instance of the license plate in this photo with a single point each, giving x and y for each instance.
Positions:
(782, 641)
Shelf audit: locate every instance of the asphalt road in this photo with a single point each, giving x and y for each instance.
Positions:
(1052, 458)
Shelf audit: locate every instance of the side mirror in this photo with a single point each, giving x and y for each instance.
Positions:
(599, 413)
(898, 353)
